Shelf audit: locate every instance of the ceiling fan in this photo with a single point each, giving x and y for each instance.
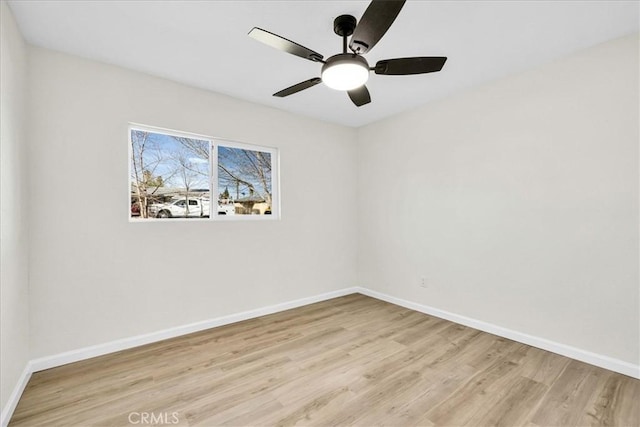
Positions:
(349, 71)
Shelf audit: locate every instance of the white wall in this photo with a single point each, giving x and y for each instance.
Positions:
(14, 310)
(95, 277)
(518, 202)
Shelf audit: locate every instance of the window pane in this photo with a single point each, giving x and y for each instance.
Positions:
(244, 181)
(170, 176)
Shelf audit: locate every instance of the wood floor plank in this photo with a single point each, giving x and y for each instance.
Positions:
(440, 386)
(480, 392)
(515, 408)
(350, 361)
(611, 404)
(543, 366)
(566, 401)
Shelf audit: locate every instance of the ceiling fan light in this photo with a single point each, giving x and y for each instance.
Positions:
(345, 72)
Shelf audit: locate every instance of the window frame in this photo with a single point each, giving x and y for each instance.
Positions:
(275, 183)
(214, 143)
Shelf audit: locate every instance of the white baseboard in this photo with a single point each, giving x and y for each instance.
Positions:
(600, 360)
(14, 398)
(126, 343)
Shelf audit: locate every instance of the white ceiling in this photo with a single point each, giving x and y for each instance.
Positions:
(205, 44)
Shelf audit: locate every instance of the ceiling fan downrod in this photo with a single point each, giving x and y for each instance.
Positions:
(343, 26)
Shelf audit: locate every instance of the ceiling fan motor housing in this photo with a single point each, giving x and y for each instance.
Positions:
(345, 58)
(344, 25)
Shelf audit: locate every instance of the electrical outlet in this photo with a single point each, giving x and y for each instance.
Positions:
(423, 282)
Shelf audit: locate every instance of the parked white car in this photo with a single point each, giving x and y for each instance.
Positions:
(196, 208)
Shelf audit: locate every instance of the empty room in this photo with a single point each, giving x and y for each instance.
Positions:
(319, 213)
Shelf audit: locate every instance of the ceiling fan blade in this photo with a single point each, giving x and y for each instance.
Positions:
(298, 87)
(360, 96)
(374, 23)
(405, 66)
(283, 44)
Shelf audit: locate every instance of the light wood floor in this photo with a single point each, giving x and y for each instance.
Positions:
(348, 361)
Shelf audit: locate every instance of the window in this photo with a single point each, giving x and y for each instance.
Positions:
(245, 176)
(174, 175)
